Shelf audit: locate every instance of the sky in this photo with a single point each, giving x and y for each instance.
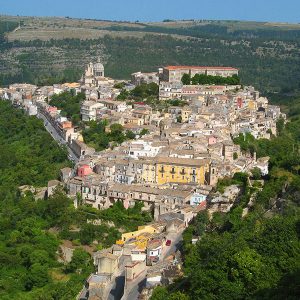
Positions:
(158, 10)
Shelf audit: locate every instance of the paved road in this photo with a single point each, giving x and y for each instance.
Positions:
(137, 289)
(57, 137)
(176, 243)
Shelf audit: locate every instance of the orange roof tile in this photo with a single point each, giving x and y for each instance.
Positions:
(200, 68)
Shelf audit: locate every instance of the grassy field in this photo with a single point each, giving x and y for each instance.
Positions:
(47, 33)
(61, 28)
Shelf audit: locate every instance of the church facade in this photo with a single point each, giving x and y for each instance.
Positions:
(93, 74)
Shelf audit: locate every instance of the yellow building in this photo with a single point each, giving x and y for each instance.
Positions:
(149, 171)
(185, 114)
(252, 105)
(147, 229)
(182, 170)
(134, 121)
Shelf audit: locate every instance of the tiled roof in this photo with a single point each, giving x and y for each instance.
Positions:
(200, 68)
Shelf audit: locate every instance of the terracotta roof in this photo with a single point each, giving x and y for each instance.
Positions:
(200, 68)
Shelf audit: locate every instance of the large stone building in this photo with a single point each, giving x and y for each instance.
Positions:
(182, 170)
(175, 73)
(93, 74)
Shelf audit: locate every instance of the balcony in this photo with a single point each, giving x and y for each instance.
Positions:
(182, 172)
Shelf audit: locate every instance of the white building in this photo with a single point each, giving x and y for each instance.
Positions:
(169, 90)
(88, 110)
(142, 148)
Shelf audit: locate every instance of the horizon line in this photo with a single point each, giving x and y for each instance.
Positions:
(166, 20)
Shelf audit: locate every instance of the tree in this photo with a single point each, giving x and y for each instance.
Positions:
(186, 79)
(144, 131)
(256, 173)
(248, 267)
(160, 293)
(235, 156)
(116, 129)
(280, 126)
(130, 135)
(37, 276)
(178, 296)
(57, 208)
(69, 103)
(145, 90)
(87, 234)
(235, 217)
(40, 257)
(80, 260)
(124, 94)
(119, 85)
(201, 222)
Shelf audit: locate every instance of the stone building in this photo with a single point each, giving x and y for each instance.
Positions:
(93, 74)
(175, 73)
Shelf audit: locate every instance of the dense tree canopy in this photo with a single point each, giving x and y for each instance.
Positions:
(69, 103)
(100, 136)
(209, 79)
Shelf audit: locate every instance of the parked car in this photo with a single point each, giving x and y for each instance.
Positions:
(168, 242)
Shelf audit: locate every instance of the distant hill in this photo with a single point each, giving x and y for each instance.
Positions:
(56, 49)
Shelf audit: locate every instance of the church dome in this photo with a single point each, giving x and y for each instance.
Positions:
(98, 67)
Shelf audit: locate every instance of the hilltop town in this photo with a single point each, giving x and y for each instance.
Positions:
(173, 147)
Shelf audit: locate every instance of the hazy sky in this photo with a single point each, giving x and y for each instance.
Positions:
(155, 10)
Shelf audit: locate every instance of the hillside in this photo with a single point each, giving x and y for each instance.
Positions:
(32, 229)
(267, 54)
(253, 256)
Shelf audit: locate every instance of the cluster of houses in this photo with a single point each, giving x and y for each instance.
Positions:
(172, 167)
(147, 251)
(186, 150)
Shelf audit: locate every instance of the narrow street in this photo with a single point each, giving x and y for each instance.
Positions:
(57, 137)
